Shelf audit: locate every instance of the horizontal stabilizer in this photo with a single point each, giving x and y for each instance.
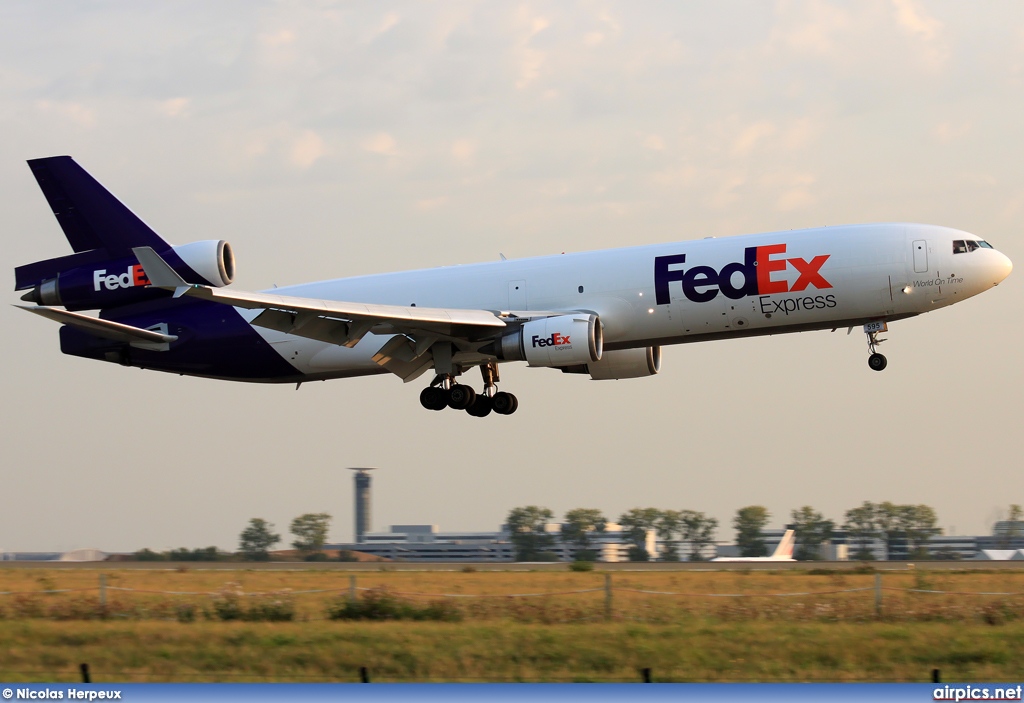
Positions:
(102, 328)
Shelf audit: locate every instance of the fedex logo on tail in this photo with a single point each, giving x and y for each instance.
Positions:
(703, 283)
(131, 278)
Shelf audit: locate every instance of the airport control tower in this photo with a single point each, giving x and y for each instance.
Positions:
(362, 499)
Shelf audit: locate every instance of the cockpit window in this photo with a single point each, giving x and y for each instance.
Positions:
(962, 246)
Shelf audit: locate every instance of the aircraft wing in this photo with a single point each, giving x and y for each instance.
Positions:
(342, 323)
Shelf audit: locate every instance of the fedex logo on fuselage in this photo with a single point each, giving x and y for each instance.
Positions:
(134, 276)
(703, 283)
(555, 340)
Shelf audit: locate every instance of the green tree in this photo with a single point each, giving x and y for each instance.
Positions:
(811, 530)
(861, 529)
(579, 526)
(527, 530)
(636, 523)
(749, 522)
(1013, 526)
(699, 531)
(310, 532)
(256, 540)
(668, 525)
(888, 524)
(919, 526)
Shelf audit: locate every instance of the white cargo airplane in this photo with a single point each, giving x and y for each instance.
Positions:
(602, 313)
(783, 552)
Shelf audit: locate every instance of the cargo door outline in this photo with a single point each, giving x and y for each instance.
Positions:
(517, 295)
(920, 248)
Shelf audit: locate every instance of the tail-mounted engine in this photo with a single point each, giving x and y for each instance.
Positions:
(90, 280)
(563, 340)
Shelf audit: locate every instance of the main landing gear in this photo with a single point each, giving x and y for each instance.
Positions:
(876, 361)
(444, 392)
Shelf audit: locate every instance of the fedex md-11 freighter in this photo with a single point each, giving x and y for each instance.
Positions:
(602, 313)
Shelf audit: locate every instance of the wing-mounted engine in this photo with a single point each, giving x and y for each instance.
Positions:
(562, 340)
(91, 280)
(621, 363)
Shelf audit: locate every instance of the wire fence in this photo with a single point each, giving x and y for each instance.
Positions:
(608, 602)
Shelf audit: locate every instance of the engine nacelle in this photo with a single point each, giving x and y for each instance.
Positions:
(213, 259)
(88, 280)
(622, 363)
(563, 340)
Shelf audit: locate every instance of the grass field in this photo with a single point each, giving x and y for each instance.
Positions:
(824, 633)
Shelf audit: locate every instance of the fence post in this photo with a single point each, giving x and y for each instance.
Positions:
(364, 674)
(607, 596)
(85, 673)
(103, 590)
(878, 595)
(352, 588)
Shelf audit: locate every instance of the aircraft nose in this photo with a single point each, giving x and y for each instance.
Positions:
(1001, 269)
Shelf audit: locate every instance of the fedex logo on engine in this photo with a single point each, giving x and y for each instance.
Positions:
(134, 276)
(555, 340)
(752, 276)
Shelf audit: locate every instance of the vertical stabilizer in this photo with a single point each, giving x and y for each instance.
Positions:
(89, 214)
(784, 550)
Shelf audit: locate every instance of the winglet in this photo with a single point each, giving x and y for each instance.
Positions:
(159, 273)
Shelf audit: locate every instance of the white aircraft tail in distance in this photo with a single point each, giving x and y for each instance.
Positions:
(783, 552)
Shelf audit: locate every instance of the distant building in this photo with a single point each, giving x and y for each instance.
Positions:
(427, 543)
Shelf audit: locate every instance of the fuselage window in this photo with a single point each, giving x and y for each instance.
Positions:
(959, 247)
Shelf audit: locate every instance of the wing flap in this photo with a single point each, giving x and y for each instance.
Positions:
(336, 322)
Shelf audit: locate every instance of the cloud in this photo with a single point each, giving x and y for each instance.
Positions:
(389, 21)
(381, 143)
(913, 19)
(175, 107)
(431, 203)
(75, 112)
(946, 132)
(280, 38)
(307, 149)
(750, 136)
(654, 142)
(464, 149)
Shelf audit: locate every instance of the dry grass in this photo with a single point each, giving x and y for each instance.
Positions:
(820, 636)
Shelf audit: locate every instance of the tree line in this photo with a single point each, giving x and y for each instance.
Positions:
(256, 541)
(532, 541)
(890, 523)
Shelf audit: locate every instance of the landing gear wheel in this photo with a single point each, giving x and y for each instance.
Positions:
(460, 397)
(481, 407)
(504, 403)
(877, 362)
(433, 398)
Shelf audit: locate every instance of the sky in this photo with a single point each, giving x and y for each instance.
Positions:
(331, 139)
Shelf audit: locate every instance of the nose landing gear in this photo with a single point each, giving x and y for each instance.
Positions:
(876, 361)
(444, 392)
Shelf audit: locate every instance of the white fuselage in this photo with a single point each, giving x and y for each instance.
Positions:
(683, 292)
